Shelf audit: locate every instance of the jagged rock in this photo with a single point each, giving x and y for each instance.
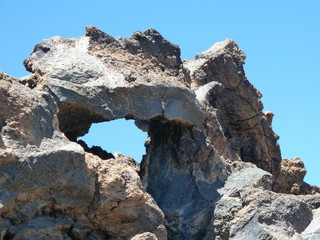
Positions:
(244, 177)
(95, 150)
(145, 236)
(219, 81)
(51, 189)
(213, 167)
(269, 216)
(191, 172)
(120, 158)
(312, 232)
(121, 207)
(291, 177)
(96, 80)
(249, 210)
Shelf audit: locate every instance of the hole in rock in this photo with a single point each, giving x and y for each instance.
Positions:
(116, 136)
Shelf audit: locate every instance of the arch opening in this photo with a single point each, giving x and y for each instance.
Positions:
(121, 135)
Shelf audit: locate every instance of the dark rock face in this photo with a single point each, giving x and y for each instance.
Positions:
(219, 78)
(213, 168)
(182, 173)
(52, 189)
(152, 44)
(96, 150)
(75, 121)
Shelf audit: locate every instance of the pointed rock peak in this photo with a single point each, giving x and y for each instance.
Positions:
(222, 47)
(151, 31)
(151, 42)
(154, 34)
(150, 34)
(99, 36)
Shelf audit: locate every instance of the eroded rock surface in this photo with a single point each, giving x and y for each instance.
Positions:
(213, 167)
(52, 189)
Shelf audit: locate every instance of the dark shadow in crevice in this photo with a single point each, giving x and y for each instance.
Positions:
(95, 150)
(75, 120)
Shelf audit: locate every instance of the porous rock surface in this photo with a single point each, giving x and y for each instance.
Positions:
(212, 169)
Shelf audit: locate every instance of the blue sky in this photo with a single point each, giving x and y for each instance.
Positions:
(280, 38)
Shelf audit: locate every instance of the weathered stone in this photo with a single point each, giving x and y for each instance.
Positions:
(95, 150)
(145, 236)
(82, 77)
(51, 190)
(312, 232)
(213, 167)
(244, 177)
(249, 210)
(268, 216)
(291, 176)
(152, 44)
(121, 207)
(191, 172)
(219, 81)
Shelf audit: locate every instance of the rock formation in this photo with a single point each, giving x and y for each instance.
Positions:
(212, 169)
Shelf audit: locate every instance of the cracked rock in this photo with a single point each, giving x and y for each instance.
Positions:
(212, 169)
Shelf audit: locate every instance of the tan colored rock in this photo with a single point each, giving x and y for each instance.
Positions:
(291, 178)
(121, 207)
(212, 168)
(220, 84)
(51, 189)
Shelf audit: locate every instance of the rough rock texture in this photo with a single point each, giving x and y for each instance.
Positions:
(213, 167)
(52, 189)
(97, 80)
(249, 209)
(145, 236)
(219, 81)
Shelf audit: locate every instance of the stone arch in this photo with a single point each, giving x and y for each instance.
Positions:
(103, 80)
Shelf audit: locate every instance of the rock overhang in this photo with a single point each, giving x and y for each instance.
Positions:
(106, 83)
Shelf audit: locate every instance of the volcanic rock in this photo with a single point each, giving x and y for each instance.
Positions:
(212, 169)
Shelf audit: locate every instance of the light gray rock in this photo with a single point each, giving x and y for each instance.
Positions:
(212, 169)
(145, 236)
(249, 210)
(51, 189)
(270, 216)
(245, 177)
(110, 82)
(312, 232)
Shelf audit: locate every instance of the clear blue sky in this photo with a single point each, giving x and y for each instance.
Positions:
(280, 37)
